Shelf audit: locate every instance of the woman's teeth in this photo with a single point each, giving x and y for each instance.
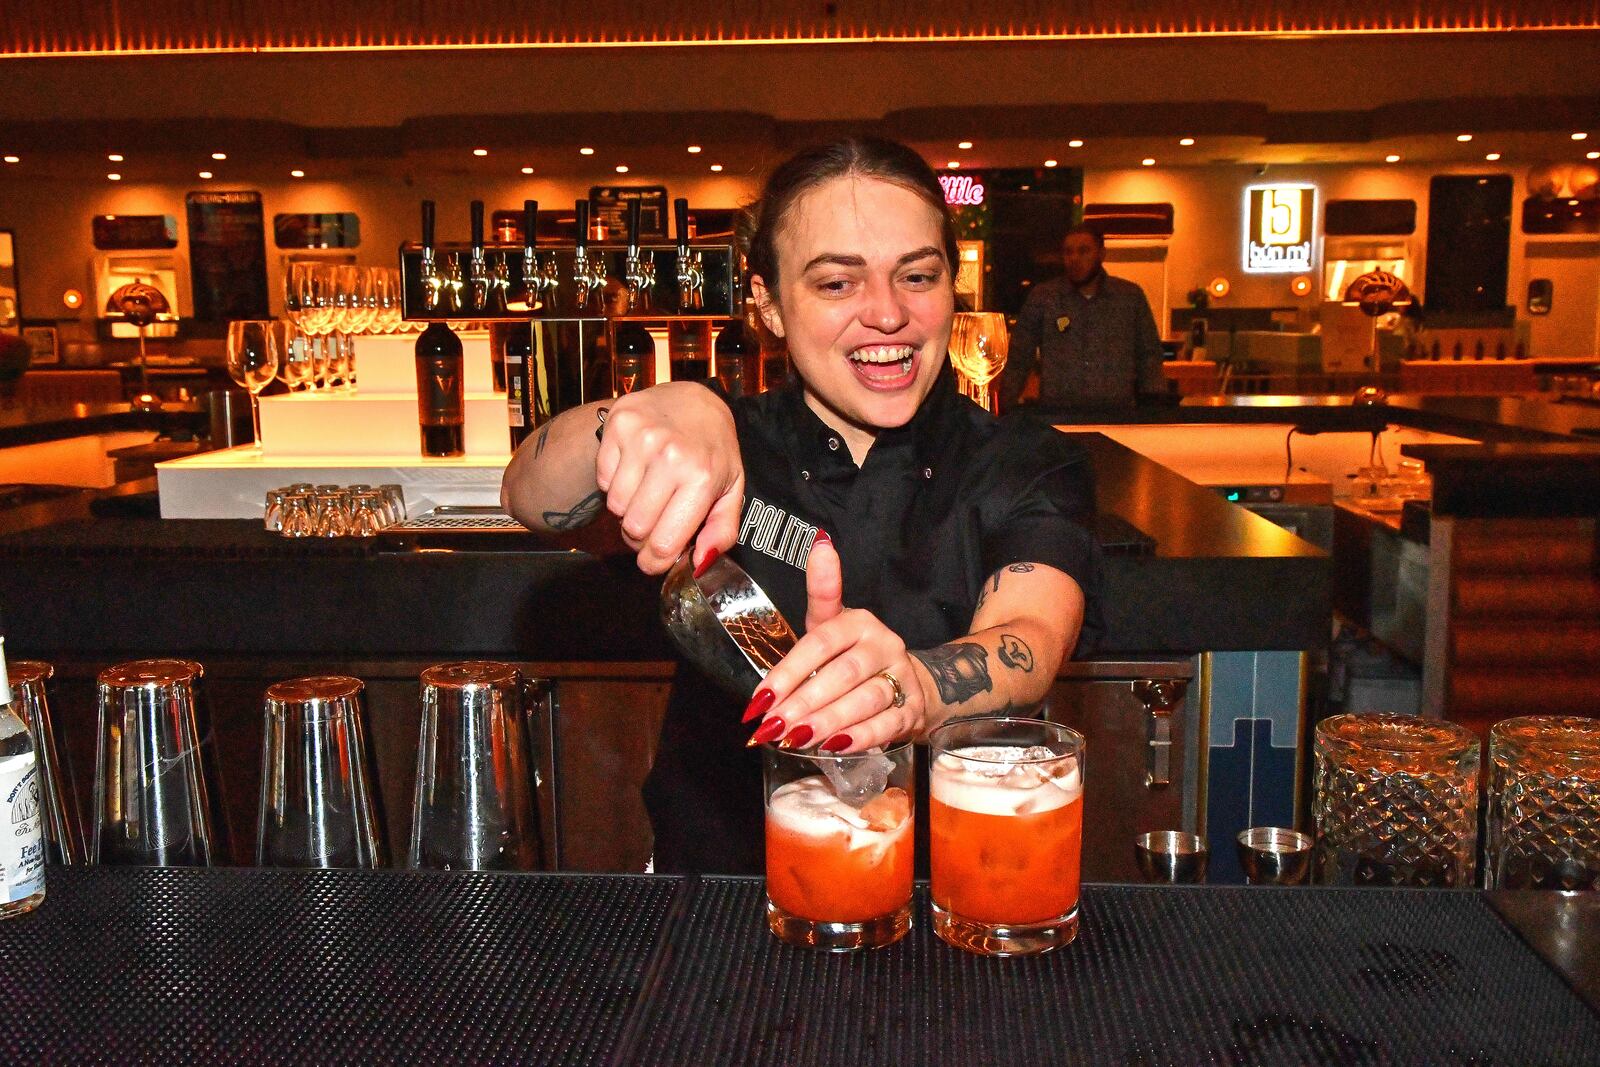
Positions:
(894, 358)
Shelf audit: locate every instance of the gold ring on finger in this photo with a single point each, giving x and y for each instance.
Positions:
(899, 700)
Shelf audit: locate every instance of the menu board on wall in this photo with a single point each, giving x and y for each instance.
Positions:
(227, 255)
(123, 233)
(608, 209)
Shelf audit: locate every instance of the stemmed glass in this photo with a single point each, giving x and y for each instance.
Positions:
(299, 358)
(978, 346)
(253, 362)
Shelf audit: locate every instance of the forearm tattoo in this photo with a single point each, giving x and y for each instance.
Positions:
(961, 670)
(1014, 652)
(581, 514)
(538, 444)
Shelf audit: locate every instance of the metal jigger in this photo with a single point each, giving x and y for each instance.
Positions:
(1272, 855)
(1171, 857)
(62, 844)
(473, 809)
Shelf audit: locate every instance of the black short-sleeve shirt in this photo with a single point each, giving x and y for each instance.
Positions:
(939, 505)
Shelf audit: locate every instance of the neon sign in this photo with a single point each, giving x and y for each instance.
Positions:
(961, 190)
(1279, 221)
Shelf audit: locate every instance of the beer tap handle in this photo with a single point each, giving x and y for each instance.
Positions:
(582, 209)
(477, 225)
(633, 228)
(680, 216)
(427, 225)
(530, 224)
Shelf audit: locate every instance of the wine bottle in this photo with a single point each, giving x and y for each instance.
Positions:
(517, 347)
(689, 350)
(738, 360)
(441, 401)
(633, 358)
(22, 845)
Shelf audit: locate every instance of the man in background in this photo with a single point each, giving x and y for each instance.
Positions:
(1093, 334)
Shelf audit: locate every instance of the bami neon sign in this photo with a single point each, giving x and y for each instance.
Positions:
(961, 190)
(1279, 221)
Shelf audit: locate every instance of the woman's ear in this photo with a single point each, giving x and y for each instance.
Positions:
(766, 305)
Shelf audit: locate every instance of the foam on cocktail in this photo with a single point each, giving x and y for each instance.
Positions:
(809, 806)
(1005, 779)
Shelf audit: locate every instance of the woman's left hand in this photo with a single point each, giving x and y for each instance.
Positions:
(830, 691)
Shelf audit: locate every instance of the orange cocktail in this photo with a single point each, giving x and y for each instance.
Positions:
(839, 860)
(1006, 834)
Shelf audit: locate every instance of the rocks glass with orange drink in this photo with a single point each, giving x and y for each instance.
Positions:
(1006, 827)
(839, 847)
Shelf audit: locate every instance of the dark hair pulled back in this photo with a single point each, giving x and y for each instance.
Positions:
(861, 157)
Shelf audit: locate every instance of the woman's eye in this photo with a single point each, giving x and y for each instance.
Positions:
(835, 285)
(922, 277)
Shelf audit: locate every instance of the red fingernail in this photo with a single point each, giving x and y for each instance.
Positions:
(822, 536)
(769, 730)
(759, 705)
(836, 743)
(705, 564)
(798, 737)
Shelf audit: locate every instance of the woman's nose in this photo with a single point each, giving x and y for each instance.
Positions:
(883, 309)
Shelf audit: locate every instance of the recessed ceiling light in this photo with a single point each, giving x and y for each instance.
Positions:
(480, 151)
(694, 150)
(1186, 141)
(954, 164)
(527, 170)
(1492, 156)
(622, 168)
(964, 145)
(13, 159)
(1074, 144)
(115, 157)
(297, 174)
(1580, 136)
(1463, 137)
(716, 168)
(585, 151)
(1391, 158)
(1591, 155)
(114, 177)
(1049, 162)
(1148, 161)
(205, 174)
(219, 155)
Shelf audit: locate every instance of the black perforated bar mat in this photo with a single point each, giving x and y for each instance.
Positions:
(1157, 976)
(244, 966)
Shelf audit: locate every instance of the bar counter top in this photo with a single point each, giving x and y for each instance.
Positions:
(29, 424)
(1216, 577)
(293, 966)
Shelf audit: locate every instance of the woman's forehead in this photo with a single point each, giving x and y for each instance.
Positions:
(858, 216)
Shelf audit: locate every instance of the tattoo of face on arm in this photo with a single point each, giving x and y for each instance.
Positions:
(581, 514)
(1014, 652)
(961, 670)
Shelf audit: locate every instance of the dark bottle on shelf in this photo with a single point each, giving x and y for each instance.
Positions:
(441, 400)
(689, 349)
(738, 360)
(516, 347)
(633, 358)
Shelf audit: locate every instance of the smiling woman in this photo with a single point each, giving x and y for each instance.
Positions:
(935, 560)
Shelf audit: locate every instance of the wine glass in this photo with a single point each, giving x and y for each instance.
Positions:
(299, 358)
(978, 347)
(253, 362)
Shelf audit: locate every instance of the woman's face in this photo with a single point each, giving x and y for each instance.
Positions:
(865, 300)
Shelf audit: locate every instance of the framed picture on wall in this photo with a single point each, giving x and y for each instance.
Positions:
(43, 343)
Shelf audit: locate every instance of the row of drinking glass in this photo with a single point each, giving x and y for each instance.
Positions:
(306, 510)
(329, 298)
(156, 802)
(1397, 802)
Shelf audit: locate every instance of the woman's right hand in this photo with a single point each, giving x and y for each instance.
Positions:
(669, 466)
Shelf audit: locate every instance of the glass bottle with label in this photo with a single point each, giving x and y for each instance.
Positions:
(441, 403)
(21, 828)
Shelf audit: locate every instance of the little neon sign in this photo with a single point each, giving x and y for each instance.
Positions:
(1279, 221)
(961, 190)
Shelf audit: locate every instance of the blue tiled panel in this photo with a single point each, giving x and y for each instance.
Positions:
(1254, 736)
